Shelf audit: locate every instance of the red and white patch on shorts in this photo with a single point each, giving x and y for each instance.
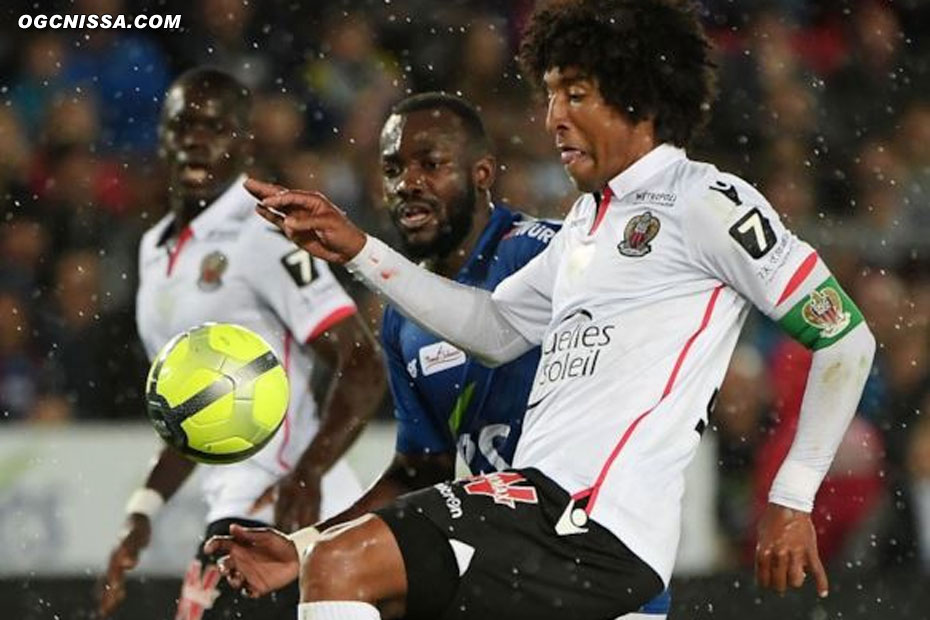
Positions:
(199, 591)
(501, 487)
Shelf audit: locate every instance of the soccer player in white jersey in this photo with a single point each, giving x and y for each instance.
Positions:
(211, 259)
(637, 303)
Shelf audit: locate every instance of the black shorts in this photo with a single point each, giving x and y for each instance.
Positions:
(513, 564)
(205, 594)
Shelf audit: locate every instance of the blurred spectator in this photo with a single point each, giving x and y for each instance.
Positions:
(20, 369)
(222, 39)
(919, 470)
(40, 78)
(351, 69)
(24, 249)
(741, 416)
(94, 355)
(128, 72)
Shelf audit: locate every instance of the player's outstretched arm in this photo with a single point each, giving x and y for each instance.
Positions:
(464, 315)
(261, 560)
(169, 471)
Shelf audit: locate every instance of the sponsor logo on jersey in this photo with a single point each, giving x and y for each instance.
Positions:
(570, 352)
(824, 310)
(440, 356)
(212, 268)
(502, 487)
(412, 368)
(453, 503)
(661, 199)
(532, 229)
(199, 591)
(637, 235)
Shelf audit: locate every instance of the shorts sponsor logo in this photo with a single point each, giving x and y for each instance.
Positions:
(199, 591)
(824, 310)
(638, 234)
(440, 356)
(453, 503)
(212, 268)
(502, 487)
(662, 199)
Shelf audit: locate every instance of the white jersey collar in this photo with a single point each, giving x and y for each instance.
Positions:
(644, 168)
(231, 203)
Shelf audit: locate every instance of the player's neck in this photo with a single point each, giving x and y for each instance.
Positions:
(449, 265)
(186, 208)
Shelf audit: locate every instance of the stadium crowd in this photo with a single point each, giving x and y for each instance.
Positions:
(824, 105)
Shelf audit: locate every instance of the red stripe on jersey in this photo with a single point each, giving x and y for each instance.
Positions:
(288, 338)
(174, 252)
(799, 276)
(334, 317)
(708, 311)
(602, 208)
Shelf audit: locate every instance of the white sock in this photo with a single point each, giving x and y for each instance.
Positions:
(337, 610)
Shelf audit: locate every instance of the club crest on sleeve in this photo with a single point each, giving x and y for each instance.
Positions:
(503, 488)
(638, 234)
(212, 268)
(824, 310)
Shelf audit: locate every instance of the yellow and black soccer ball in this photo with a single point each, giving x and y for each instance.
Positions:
(217, 393)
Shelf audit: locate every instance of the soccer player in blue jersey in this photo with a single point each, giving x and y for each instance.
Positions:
(438, 169)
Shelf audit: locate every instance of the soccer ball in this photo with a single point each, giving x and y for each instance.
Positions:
(216, 393)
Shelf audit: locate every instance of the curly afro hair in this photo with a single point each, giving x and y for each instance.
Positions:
(650, 58)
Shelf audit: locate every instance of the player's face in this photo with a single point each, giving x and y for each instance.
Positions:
(596, 142)
(203, 140)
(427, 181)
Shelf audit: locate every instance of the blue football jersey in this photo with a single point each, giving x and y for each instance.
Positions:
(444, 400)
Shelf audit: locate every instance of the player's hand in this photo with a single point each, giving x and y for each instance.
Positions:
(111, 589)
(787, 549)
(296, 500)
(256, 560)
(310, 220)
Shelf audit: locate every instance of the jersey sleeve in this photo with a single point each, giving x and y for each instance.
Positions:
(525, 298)
(302, 290)
(736, 236)
(417, 431)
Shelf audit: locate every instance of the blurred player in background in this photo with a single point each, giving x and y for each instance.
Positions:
(210, 260)
(437, 172)
(637, 303)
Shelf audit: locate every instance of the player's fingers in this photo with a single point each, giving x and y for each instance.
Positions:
(763, 566)
(218, 544)
(796, 569)
(263, 500)
(780, 571)
(820, 575)
(261, 189)
(274, 217)
(248, 535)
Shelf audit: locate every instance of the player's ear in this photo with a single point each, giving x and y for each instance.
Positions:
(484, 171)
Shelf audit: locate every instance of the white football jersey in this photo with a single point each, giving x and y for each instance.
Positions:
(637, 306)
(229, 265)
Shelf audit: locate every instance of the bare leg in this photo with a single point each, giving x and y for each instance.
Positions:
(359, 561)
